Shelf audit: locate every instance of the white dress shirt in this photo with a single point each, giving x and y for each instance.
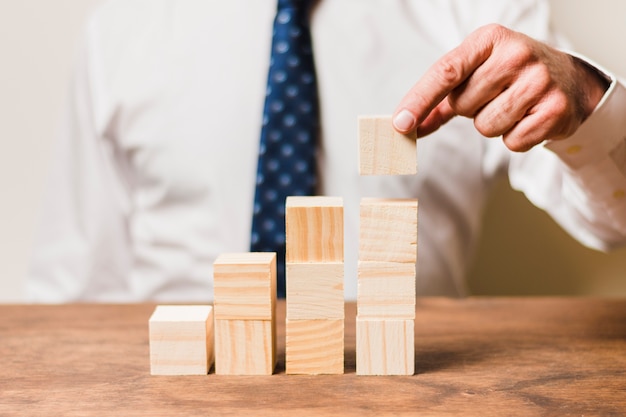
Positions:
(157, 159)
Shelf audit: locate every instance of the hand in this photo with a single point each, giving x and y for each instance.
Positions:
(511, 85)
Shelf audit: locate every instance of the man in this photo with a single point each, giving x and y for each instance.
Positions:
(158, 158)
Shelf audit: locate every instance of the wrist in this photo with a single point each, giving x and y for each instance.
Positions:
(594, 86)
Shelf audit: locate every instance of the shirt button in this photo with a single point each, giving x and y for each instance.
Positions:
(573, 150)
(619, 194)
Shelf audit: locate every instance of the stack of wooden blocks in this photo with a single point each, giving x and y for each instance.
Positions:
(244, 286)
(243, 316)
(387, 256)
(314, 278)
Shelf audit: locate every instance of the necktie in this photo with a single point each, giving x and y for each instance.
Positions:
(286, 164)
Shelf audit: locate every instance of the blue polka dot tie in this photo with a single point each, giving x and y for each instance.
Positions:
(290, 128)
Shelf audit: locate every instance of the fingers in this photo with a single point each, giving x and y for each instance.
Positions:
(505, 110)
(486, 83)
(444, 76)
(526, 133)
(551, 118)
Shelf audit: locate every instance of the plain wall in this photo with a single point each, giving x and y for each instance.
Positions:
(38, 38)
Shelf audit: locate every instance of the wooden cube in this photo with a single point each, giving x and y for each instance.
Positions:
(315, 290)
(382, 150)
(245, 347)
(244, 286)
(181, 340)
(385, 347)
(314, 347)
(388, 230)
(314, 229)
(386, 290)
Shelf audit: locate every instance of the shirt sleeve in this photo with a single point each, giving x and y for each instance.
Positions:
(81, 248)
(581, 180)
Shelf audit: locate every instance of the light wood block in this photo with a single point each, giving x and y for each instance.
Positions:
(245, 347)
(386, 290)
(314, 347)
(385, 347)
(315, 290)
(181, 340)
(244, 286)
(382, 150)
(314, 229)
(388, 230)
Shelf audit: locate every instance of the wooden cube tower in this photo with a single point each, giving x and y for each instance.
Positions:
(314, 278)
(386, 287)
(387, 256)
(244, 286)
(181, 340)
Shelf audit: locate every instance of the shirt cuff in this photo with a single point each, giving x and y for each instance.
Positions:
(595, 155)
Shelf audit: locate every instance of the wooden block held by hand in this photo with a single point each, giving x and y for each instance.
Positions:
(244, 286)
(314, 347)
(315, 290)
(314, 229)
(385, 347)
(388, 230)
(382, 150)
(181, 340)
(245, 347)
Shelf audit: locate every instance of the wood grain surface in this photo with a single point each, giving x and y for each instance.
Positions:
(483, 357)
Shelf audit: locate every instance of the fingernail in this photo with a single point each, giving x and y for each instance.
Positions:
(404, 121)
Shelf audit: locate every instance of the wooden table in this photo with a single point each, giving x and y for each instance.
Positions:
(479, 356)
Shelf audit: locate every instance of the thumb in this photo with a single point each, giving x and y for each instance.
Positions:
(404, 120)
